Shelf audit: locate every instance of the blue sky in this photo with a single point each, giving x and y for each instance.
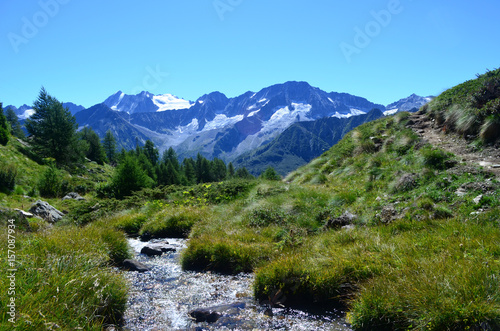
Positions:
(383, 50)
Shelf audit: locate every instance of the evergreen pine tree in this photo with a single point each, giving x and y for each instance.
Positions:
(151, 152)
(109, 145)
(4, 128)
(230, 170)
(15, 126)
(129, 177)
(95, 151)
(53, 129)
(270, 174)
(171, 155)
(219, 170)
(243, 173)
(189, 170)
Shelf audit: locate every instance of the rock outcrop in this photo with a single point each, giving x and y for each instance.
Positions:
(46, 211)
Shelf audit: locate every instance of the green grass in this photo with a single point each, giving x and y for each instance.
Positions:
(471, 108)
(63, 279)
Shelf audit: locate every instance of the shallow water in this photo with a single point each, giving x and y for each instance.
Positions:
(161, 298)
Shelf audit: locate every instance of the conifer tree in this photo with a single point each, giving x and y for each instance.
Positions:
(95, 151)
(230, 170)
(53, 129)
(15, 126)
(109, 145)
(4, 128)
(129, 177)
(151, 152)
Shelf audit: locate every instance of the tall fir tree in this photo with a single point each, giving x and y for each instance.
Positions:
(15, 126)
(95, 151)
(109, 145)
(151, 152)
(171, 155)
(53, 129)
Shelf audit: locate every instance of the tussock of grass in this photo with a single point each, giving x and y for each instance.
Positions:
(62, 279)
(471, 108)
(172, 223)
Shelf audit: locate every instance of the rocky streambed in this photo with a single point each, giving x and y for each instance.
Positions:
(168, 298)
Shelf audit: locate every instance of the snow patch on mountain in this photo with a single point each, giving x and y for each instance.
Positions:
(115, 106)
(391, 112)
(170, 102)
(282, 118)
(220, 121)
(253, 113)
(356, 112)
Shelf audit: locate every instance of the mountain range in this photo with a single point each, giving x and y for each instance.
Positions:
(293, 119)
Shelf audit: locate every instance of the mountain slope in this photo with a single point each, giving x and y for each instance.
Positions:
(300, 143)
(101, 119)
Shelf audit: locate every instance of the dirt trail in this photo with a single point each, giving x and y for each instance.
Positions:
(488, 157)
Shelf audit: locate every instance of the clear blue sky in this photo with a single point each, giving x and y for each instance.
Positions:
(84, 51)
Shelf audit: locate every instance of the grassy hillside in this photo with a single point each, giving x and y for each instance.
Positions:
(395, 231)
(471, 108)
(64, 278)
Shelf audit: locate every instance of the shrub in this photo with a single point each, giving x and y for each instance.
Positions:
(434, 158)
(129, 177)
(270, 174)
(50, 183)
(8, 174)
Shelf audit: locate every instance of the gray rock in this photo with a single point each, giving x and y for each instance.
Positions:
(73, 196)
(477, 199)
(203, 315)
(133, 265)
(346, 219)
(212, 314)
(156, 249)
(46, 211)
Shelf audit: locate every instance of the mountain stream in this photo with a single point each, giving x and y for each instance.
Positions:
(162, 299)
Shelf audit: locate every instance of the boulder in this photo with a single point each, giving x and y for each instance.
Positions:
(156, 249)
(204, 315)
(46, 211)
(345, 219)
(133, 265)
(73, 196)
(213, 314)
